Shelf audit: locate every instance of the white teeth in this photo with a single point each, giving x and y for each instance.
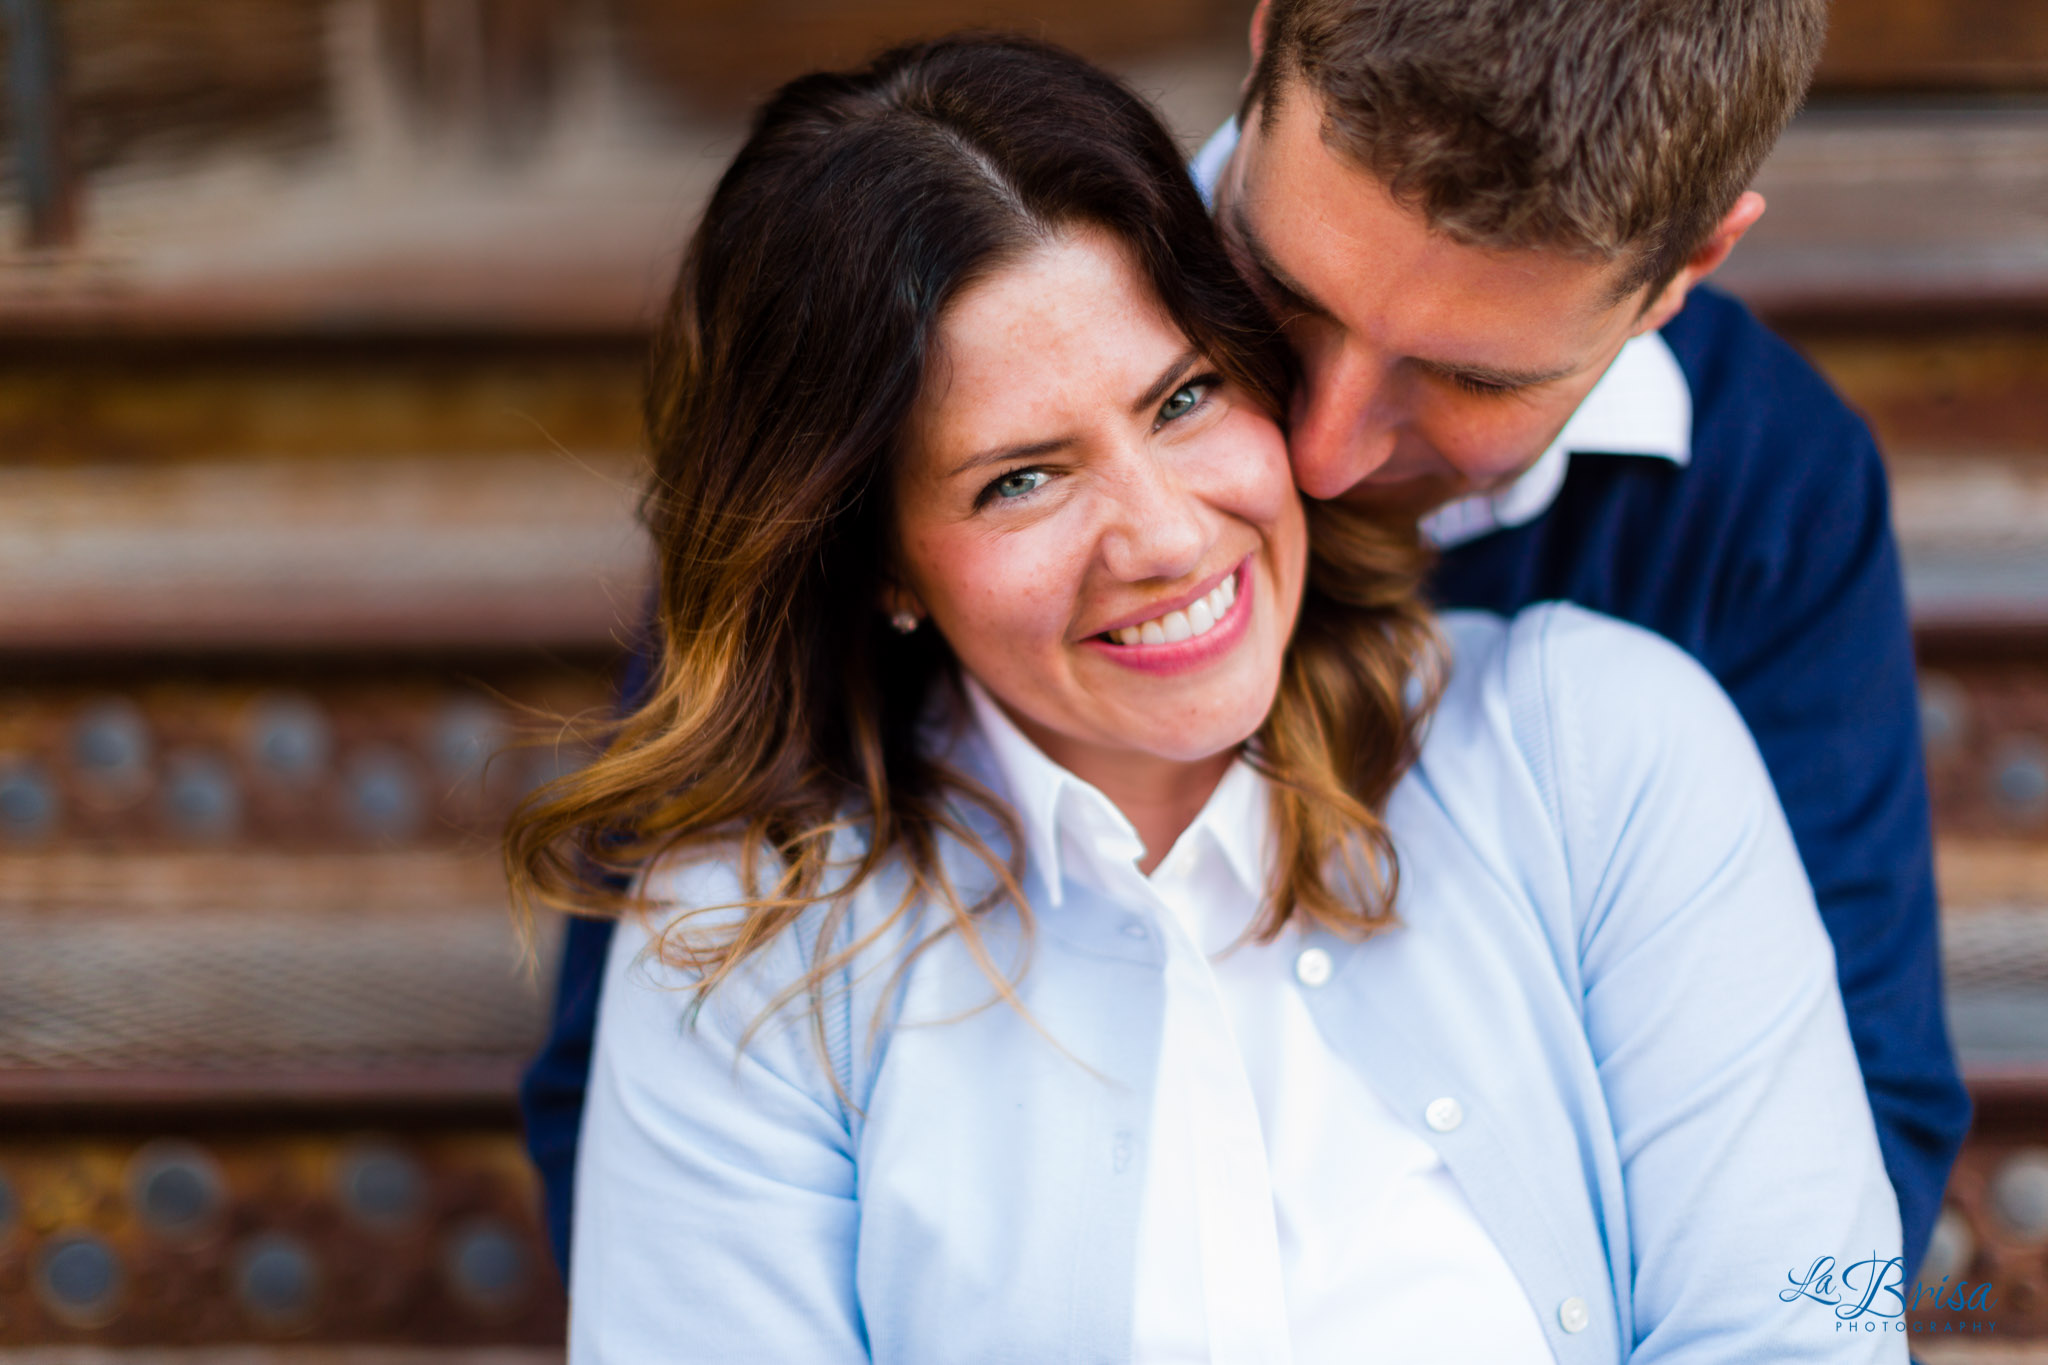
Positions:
(1197, 619)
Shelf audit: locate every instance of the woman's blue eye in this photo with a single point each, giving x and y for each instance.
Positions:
(1184, 401)
(1017, 484)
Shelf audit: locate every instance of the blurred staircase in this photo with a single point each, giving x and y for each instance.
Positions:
(318, 441)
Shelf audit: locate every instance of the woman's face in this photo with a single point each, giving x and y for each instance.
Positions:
(1104, 530)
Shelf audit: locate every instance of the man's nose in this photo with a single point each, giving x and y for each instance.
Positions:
(1343, 424)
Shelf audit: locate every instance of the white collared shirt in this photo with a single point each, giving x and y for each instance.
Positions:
(1288, 1215)
(1642, 406)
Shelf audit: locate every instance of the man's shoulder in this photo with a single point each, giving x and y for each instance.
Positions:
(1754, 396)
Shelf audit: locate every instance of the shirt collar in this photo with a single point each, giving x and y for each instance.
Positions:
(1054, 807)
(1641, 406)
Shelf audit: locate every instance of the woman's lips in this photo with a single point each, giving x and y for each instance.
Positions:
(1157, 652)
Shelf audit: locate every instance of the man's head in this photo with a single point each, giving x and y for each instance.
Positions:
(1463, 209)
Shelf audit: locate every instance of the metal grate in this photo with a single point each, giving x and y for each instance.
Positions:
(1996, 963)
(1995, 948)
(242, 1001)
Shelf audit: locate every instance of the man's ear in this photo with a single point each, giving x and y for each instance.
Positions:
(1260, 15)
(1704, 261)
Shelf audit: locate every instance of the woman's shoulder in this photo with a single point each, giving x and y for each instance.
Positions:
(1537, 649)
(1592, 708)
(1558, 664)
(710, 893)
(857, 922)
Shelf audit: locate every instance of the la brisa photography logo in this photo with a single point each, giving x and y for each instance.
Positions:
(1871, 1295)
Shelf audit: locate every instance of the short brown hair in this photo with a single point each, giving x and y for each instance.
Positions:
(1607, 127)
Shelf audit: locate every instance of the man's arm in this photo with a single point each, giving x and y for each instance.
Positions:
(1829, 690)
(551, 1093)
(1771, 560)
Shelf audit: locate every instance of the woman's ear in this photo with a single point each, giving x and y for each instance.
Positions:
(903, 609)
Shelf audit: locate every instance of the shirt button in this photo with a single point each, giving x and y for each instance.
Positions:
(1573, 1315)
(1312, 968)
(1134, 928)
(1444, 1115)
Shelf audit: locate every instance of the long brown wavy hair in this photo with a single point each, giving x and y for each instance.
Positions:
(781, 708)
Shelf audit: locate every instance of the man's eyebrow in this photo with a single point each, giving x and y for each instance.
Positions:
(1497, 378)
(1293, 293)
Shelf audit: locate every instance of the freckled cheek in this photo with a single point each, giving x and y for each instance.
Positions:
(1005, 606)
(1249, 476)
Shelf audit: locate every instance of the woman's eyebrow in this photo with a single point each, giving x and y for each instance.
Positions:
(1001, 454)
(1025, 450)
(1164, 384)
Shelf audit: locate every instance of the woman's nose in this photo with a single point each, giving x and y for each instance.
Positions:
(1161, 528)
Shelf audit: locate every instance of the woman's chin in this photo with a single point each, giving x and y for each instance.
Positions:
(1194, 740)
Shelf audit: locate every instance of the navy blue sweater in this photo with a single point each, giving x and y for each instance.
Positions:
(1769, 558)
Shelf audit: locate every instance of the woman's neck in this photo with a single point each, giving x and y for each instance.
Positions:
(1159, 796)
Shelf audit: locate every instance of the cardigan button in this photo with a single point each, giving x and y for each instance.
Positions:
(1444, 1115)
(1312, 968)
(1573, 1315)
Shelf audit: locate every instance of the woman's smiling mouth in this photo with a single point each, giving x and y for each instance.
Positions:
(1199, 618)
(1187, 635)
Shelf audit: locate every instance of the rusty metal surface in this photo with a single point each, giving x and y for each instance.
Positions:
(299, 759)
(1985, 722)
(1995, 961)
(1974, 537)
(1899, 45)
(517, 167)
(221, 1237)
(1896, 209)
(715, 56)
(1992, 1232)
(1939, 394)
(89, 404)
(281, 1355)
(112, 1005)
(435, 552)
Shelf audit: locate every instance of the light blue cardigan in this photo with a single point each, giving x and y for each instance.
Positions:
(1608, 956)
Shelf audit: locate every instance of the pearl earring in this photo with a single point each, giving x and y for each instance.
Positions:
(905, 621)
